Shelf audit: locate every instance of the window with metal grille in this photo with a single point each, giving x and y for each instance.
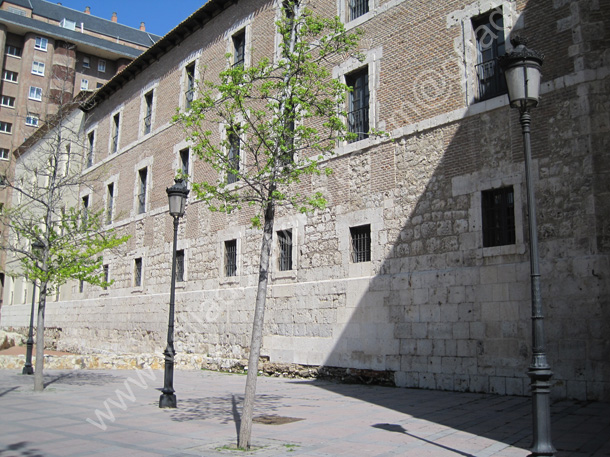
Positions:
(239, 48)
(284, 238)
(498, 210)
(116, 121)
(143, 176)
(358, 103)
(91, 139)
(137, 272)
(190, 84)
(233, 157)
(180, 265)
(489, 32)
(148, 99)
(361, 243)
(109, 203)
(85, 213)
(231, 258)
(357, 8)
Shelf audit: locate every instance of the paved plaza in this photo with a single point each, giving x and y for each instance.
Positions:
(115, 413)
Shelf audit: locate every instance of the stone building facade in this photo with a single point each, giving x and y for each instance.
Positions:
(440, 296)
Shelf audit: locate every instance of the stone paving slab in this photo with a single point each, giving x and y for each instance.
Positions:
(116, 413)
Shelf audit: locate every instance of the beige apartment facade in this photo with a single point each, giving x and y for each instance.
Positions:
(436, 292)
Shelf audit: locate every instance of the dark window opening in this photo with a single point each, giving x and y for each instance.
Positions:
(115, 132)
(239, 48)
(231, 258)
(143, 175)
(91, 138)
(85, 213)
(357, 8)
(361, 243)
(498, 207)
(137, 272)
(233, 157)
(489, 32)
(109, 203)
(148, 98)
(180, 265)
(285, 244)
(358, 103)
(184, 162)
(106, 276)
(190, 84)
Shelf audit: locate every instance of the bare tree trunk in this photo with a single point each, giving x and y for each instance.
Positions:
(245, 429)
(39, 366)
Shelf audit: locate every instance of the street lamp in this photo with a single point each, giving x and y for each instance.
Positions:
(522, 70)
(37, 248)
(177, 200)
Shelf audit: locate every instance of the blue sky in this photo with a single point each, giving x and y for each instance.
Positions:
(160, 16)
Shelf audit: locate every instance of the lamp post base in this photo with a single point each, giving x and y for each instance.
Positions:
(167, 401)
(28, 370)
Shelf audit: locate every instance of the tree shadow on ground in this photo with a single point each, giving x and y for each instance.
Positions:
(80, 378)
(21, 449)
(225, 408)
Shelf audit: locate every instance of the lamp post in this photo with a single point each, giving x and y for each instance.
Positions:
(177, 200)
(522, 70)
(37, 247)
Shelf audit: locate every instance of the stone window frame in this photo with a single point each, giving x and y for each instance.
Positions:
(245, 26)
(242, 156)
(372, 60)
(465, 44)
(232, 233)
(472, 185)
(150, 88)
(191, 61)
(372, 217)
(114, 181)
(111, 130)
(138, 270)
(177, 165)
(343, 12)
(297, 225)
(90, 147)
(147, 164)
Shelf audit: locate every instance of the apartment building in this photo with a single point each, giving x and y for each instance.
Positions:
(418, 269)
(50, 54)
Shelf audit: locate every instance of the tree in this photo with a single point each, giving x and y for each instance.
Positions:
(46, 210)
(285, 116)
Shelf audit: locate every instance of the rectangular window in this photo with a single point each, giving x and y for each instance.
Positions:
(4, 153)
(10, 76)
(116, 121)
(85, 210)
(109, 202)
(38, 68)
(361, 243)
(6, 127)
(8, 101)
(13, 51)
(86, 62)
(137, 272)
(358, 103)
(142, 177)
(239, 48)
(101, 66)
(180, 265)
(31, 120)
(498, 211)
(35, 93)
(106, 275)
(233, 157)
(284, 238)
(67, 24)
(41, 43)
(81, 286)
(231, 258)
(148, 100)
(84, 84)
(91, 141)
(184, 162)
(489, 32)
(190, 84)
(357, 8)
